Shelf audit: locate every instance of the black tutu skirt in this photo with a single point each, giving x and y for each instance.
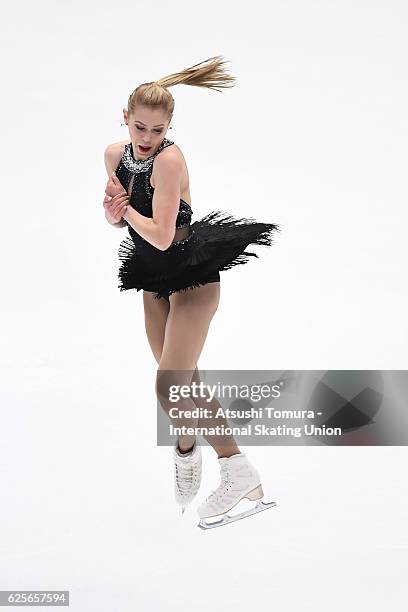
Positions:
(216, 242)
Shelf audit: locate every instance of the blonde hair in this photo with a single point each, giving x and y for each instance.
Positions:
(209, 73)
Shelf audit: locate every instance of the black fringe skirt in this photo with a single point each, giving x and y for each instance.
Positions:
(216, 242)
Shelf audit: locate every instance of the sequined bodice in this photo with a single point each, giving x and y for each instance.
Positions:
(139, 171)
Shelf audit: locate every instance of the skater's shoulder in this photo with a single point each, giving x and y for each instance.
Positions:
(168, 161)
(113, 154)
(116, 148)
(170, 152)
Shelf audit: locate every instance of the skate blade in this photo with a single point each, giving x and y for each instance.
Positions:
(231, 518)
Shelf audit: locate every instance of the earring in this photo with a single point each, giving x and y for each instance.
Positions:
(123, 124)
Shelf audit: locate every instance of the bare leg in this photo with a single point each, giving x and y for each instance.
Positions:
(156, 313)
(225, 446)
(156, 317)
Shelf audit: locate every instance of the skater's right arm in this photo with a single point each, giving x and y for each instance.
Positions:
(112, 156)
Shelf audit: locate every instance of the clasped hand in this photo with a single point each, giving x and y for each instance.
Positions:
(116, 200)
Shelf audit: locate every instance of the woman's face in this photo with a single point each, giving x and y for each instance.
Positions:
(147, 128)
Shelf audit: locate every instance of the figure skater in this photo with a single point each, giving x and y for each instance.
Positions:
(177, 264)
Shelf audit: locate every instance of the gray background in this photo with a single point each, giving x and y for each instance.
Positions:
(312, 137)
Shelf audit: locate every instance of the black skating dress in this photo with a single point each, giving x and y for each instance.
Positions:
(214, 243)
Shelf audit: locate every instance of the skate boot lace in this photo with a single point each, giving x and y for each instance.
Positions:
(186, 477)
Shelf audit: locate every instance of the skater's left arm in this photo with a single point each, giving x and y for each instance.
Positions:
(160, 229)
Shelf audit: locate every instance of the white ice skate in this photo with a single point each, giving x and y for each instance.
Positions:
(239, 479)
(187, 474)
